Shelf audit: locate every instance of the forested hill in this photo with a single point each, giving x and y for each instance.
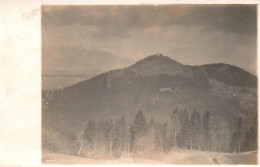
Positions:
(169, 95)
(229, 74)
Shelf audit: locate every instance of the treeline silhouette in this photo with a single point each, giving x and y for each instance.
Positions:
(142, 138)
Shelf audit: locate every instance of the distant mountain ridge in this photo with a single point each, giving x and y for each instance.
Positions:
(158, 64)
(81, 59)
(65, 66)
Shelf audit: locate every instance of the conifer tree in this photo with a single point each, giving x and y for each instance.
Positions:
(90, 134)
(183, 138)
(165, 138)
(250, 142)
(108, 136)
(195, 129)
(138, 129)
(206, 130)
(101, 136)
(235, 143)
(158, 143)
(123, 134)
(116, 147)
(176, 126)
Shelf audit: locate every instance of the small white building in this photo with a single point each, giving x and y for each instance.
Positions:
(165, 89)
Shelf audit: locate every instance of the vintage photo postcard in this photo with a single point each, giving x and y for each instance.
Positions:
(145, 84)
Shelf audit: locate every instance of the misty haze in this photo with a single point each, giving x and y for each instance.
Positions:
(167, 84)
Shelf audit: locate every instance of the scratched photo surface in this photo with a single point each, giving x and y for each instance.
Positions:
(143, 84)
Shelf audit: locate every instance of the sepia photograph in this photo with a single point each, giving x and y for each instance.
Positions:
(149, 84)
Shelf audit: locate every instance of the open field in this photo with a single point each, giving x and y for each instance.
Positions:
(177, 157)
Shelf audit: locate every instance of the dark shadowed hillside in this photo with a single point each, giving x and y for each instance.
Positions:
(229, 74)
(157, 85)
(157, 64)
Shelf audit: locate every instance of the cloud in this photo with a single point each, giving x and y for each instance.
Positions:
(118, 20)
(191, 34)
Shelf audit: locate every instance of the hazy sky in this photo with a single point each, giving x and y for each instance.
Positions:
(190, 34)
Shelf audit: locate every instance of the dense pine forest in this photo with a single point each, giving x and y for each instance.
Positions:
(145, 138)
